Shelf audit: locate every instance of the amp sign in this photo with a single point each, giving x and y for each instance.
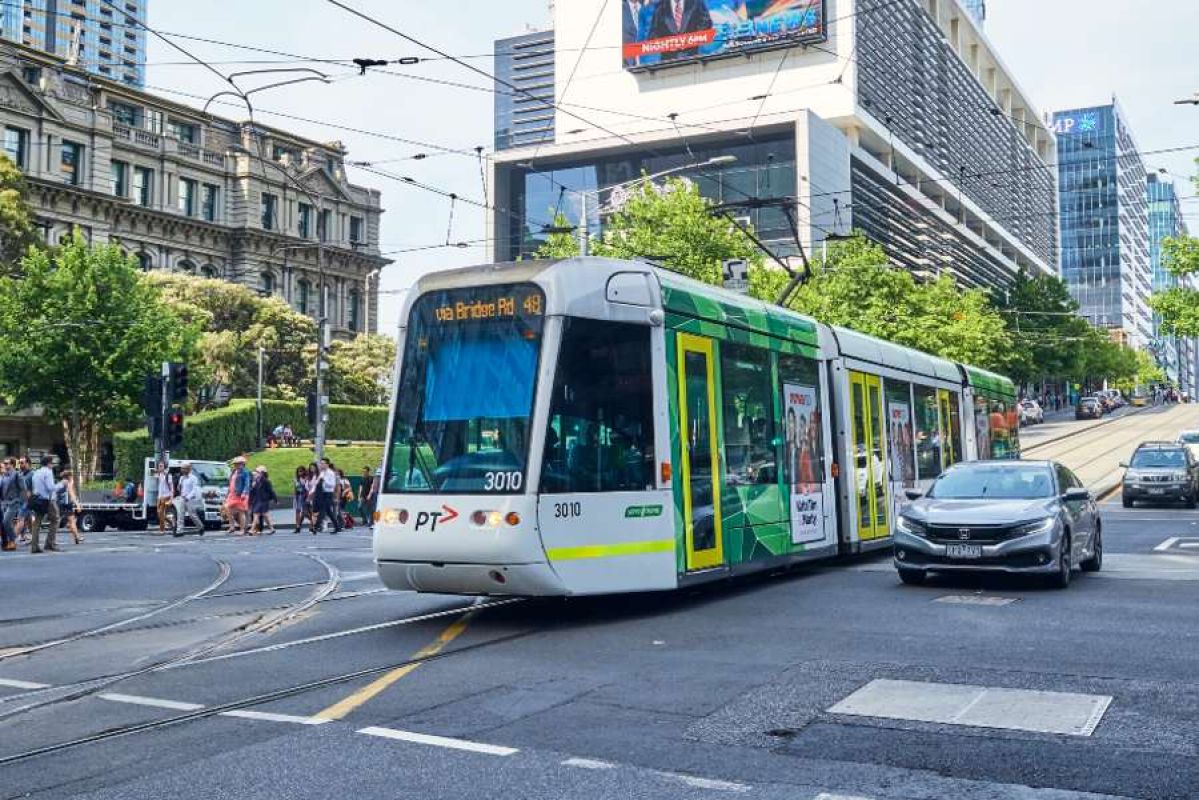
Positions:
(1069, 124)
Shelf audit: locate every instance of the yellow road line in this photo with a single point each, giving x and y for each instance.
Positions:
(343, 707)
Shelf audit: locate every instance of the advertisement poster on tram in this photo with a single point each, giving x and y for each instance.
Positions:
(802, 450)
(902, 453)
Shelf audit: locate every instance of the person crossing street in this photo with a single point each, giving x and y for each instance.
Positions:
(41, 503)
(189, 501)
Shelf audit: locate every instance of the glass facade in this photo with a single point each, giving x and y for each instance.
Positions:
(1104, 221)
(762, 169)
(107, 42)
(1165, 221)
(520, 117)
(977, 9)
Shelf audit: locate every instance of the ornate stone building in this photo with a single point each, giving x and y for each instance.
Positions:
(191, 192)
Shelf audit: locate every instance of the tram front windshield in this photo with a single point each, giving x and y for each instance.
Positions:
(467, 381)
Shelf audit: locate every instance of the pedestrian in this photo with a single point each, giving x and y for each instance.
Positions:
(25, 487)
(323, 497)
(345, 496)
(68, 503)
(238, 499)
(366, 496)
(10, 504)
(166, 494)
(43, 507)
(189, 500)
(262, 497)
(299, 500)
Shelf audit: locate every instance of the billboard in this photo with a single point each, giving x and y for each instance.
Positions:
(661, 33)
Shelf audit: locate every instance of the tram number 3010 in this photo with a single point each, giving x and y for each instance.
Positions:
(502, 481)
(563, 510)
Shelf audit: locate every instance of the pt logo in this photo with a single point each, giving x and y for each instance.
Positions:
(445, 516)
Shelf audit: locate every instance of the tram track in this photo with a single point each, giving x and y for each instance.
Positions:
(1118, 441)
(56, 695)
(283, 693)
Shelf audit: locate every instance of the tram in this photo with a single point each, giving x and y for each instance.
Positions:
(588, 426)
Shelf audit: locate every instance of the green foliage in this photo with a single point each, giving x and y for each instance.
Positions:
(1179, 307)
(281, 462)
(1050, 340)
(17, 233)
(561, 243)
(360, 370)
(857, 288)
(79, 330)
(221, 434)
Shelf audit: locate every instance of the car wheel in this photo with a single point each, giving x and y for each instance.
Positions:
(1190, 500)
(912, 577)
(1095, 562)
(1061, 579)
(89, 522)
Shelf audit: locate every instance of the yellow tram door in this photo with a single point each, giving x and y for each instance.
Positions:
(700, 454)
(949, 454)
(869, 456)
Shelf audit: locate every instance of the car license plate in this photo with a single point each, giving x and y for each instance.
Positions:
(964, 550)
(1157, 491)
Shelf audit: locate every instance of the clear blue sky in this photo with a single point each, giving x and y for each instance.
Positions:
(1063, 53)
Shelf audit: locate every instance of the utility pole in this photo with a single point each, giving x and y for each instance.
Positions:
(165, 449)
(261, 353)
(584, 227)
(322, 330)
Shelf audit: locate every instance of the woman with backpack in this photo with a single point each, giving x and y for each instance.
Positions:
(262, 497)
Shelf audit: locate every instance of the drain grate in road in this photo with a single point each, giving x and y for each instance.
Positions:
(978, 706)
(976, 600)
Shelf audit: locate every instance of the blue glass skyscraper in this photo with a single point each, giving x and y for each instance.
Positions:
(1165, 221)
(105, 39)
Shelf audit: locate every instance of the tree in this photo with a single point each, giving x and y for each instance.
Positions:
(1049, 338)
(17, 233)
(235, 321)
(1179, 306)
(361, 369)
(79, 331)
(562, 242)
(854, 286)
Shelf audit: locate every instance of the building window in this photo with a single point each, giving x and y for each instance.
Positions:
(210, 202)
(303, 288)
(322, 225)
(187, 267)
(16, 146)
(208, 271)
(352, 310)
(305, 221)
(120, 178)
(144, 261)
(268, 283)
(269, 203)
(125, 113)
(32, 75)
(72, 163)
(183, 131)
(187, 196)
(356, 230)
(143, 186)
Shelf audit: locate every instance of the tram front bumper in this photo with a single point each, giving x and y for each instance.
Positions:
(485, 579)
(1035, 553)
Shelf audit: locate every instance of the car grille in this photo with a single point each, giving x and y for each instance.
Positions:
(1155, 479)
(971, 533)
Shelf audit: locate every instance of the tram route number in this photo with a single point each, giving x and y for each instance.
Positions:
(502, 481)
(567, 510)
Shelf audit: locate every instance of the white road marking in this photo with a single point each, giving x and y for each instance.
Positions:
(588, 763)
(268, 716)
(978, 706)
(16, 684)
(827, 796)
(1166, 545)
(705, 783)
(153, 702)
(975, 600)
(439, 741)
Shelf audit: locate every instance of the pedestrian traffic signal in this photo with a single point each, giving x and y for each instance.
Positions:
(174, 429)
(178, 384)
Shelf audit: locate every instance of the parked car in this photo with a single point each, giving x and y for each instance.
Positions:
(1161, 471)
(1000, 516)
(1088, 408)
(1140, 400)
(1031, 412)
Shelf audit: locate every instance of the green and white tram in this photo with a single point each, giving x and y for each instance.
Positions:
(588, 426)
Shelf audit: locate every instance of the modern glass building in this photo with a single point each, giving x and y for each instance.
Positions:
(1177, 355)
(977, 9)
(103, 38)
(1103, 205)
(527, 62)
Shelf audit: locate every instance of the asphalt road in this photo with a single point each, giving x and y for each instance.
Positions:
(276, 667)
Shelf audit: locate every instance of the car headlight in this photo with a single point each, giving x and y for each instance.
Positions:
(908, 525)
(1129, 475)
(1036, 526)
(1178, 476)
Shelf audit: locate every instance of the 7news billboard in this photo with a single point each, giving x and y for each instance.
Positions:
(662, 33)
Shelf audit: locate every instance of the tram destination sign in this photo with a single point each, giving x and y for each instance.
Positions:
(488, 303)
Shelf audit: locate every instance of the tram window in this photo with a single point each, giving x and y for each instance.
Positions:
(928, 433)
(982, 426)
(748, 405)
(900, 444)
(804, 433)
(954, 454)
(601, 436)
(1000, 422)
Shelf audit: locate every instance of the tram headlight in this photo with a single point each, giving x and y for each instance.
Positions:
(493, 519)
(391, 516)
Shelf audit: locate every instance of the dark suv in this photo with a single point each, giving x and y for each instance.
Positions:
(1161, 471)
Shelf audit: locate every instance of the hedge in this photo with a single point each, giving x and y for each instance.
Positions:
(226, 432)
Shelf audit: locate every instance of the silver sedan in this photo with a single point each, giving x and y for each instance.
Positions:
(1002, 516)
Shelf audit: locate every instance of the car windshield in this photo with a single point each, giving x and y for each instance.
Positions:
(1191, 437)
(1159, 458)
(994, 482)
(212, 474)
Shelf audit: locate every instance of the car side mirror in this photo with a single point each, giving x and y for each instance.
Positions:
(913, 494)
(1076, 493)
(1124, 464)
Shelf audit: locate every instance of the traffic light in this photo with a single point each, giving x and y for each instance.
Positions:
(154, 426)
(152, 396)
(311, 409)
(177, 388)
(174, 429)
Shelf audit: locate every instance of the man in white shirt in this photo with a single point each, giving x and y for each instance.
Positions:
(190, 500)
(166, 494)
(323, 500)
(41, 503)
